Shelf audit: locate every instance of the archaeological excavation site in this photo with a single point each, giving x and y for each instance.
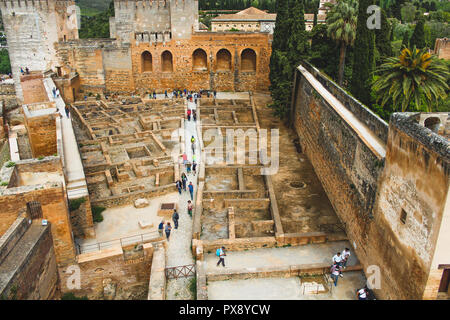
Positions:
(151, 165)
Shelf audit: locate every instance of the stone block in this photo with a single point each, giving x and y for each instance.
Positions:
(141, 203)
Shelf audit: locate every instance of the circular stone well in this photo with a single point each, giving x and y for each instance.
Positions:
(297, 185)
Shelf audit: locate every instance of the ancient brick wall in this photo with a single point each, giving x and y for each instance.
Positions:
(369, 193)
(54, 208)
(106, 66)
(129, 275)
(42, 135)
(34, 274)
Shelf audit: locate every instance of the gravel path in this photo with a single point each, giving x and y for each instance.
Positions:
(179, 247)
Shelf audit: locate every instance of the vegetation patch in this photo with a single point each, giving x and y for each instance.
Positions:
(97, 213)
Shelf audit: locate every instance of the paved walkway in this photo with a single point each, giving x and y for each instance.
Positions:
(179, 246)
(286, 256)
(73, 167)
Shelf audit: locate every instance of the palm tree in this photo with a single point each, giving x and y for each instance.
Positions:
(417, 75)
(341, 27)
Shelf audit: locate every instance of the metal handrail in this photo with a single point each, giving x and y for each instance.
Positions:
(126, 241)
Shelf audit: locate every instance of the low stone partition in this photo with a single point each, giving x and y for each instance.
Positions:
(296, 239)
(197, 219)
(129, 198)
(157, 283)
(202, 289)
(239, 244)
(274, 272)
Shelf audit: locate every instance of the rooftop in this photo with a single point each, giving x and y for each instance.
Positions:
(249, 14)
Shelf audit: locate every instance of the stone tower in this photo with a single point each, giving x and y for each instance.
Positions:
(32, 28)
(153, 20)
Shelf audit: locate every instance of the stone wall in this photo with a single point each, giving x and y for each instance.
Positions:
(42, 134)
(32, 27)
(28, 267)
(105, 66)
(442, 48)
(111, 274)
(369, 191)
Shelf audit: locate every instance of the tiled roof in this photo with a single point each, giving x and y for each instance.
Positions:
(249, 14)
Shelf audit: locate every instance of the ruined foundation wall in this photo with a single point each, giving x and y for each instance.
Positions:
(42, 135)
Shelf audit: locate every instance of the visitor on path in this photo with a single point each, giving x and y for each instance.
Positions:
(193, 147)
(221, 254)
(192, 139)
(179, 186)
(54, 92)
(188, 167)
(161, 228)
(191, 190)
(194, 167)
(194, 113)
(57, 93)
(337, 260)
(184, 180)
(184, 158)
(215, 94)
(190, 207)
(21, 71)
(189, 114)
(27, 71)
(165, 95)
(345, 256)
(175, 218)
(335, 271)
(168, 229)
(154, 95)
(362, 294)
(185, 92)
(67, 111)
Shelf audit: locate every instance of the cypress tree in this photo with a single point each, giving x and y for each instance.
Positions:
(418, 37)
(383, 41)
(364, 56)
(298, 44)
(405, 42)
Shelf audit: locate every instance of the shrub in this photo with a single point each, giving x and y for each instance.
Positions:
(10, 164)
(76, 203)
(97, 213)
(40, 158)
(72, 296)
(193, 287)
(4, 183)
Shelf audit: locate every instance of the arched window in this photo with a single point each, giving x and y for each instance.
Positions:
(199, 60)
(248, 60)
(146, 60)
(432, 123)
(223, 60)
(167, 64)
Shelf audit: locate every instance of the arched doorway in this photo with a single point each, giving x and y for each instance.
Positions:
(248, 60)
(167, 62)
(199, 60)
(432, 123)
(223, 57)
(146, 61)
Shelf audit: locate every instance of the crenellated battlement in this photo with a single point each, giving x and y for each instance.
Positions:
(22, 6)
(152, 4)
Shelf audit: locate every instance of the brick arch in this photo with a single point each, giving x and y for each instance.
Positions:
(167, 61)
(146, 62)
(223, 60)
(248, 60)
(199, 60)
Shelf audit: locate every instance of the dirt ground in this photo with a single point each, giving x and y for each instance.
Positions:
(302, 202)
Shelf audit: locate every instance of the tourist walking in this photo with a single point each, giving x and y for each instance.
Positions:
(189, 114)
(335, 271)
(215, 94)
(191, 190)
(175, 218)
(184, 158)
(188, 167)
(190, 207)
(179, 186)
(161, 228)
(67, 111)
(194, 167)
(184, 180)
(54, 92)
(345, 256)
(221, 254)
(165, 95)
(193, 147)
(194, 113)
(362, 294)
(168, 229)
(337, 260)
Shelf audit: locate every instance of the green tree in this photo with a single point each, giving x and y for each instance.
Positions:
(405, 41)
(418, 37)
(383, 37)
(5, 64)
(324, 51)
(341, 27)
(416, 76)
(298, 44)
(408, 12)
(364, 57)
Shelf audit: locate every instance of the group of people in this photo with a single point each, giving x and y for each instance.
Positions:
(192, 112)
(339, 263)
(189, 95)
(55, 92)
(181, 185)
(26, 71)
